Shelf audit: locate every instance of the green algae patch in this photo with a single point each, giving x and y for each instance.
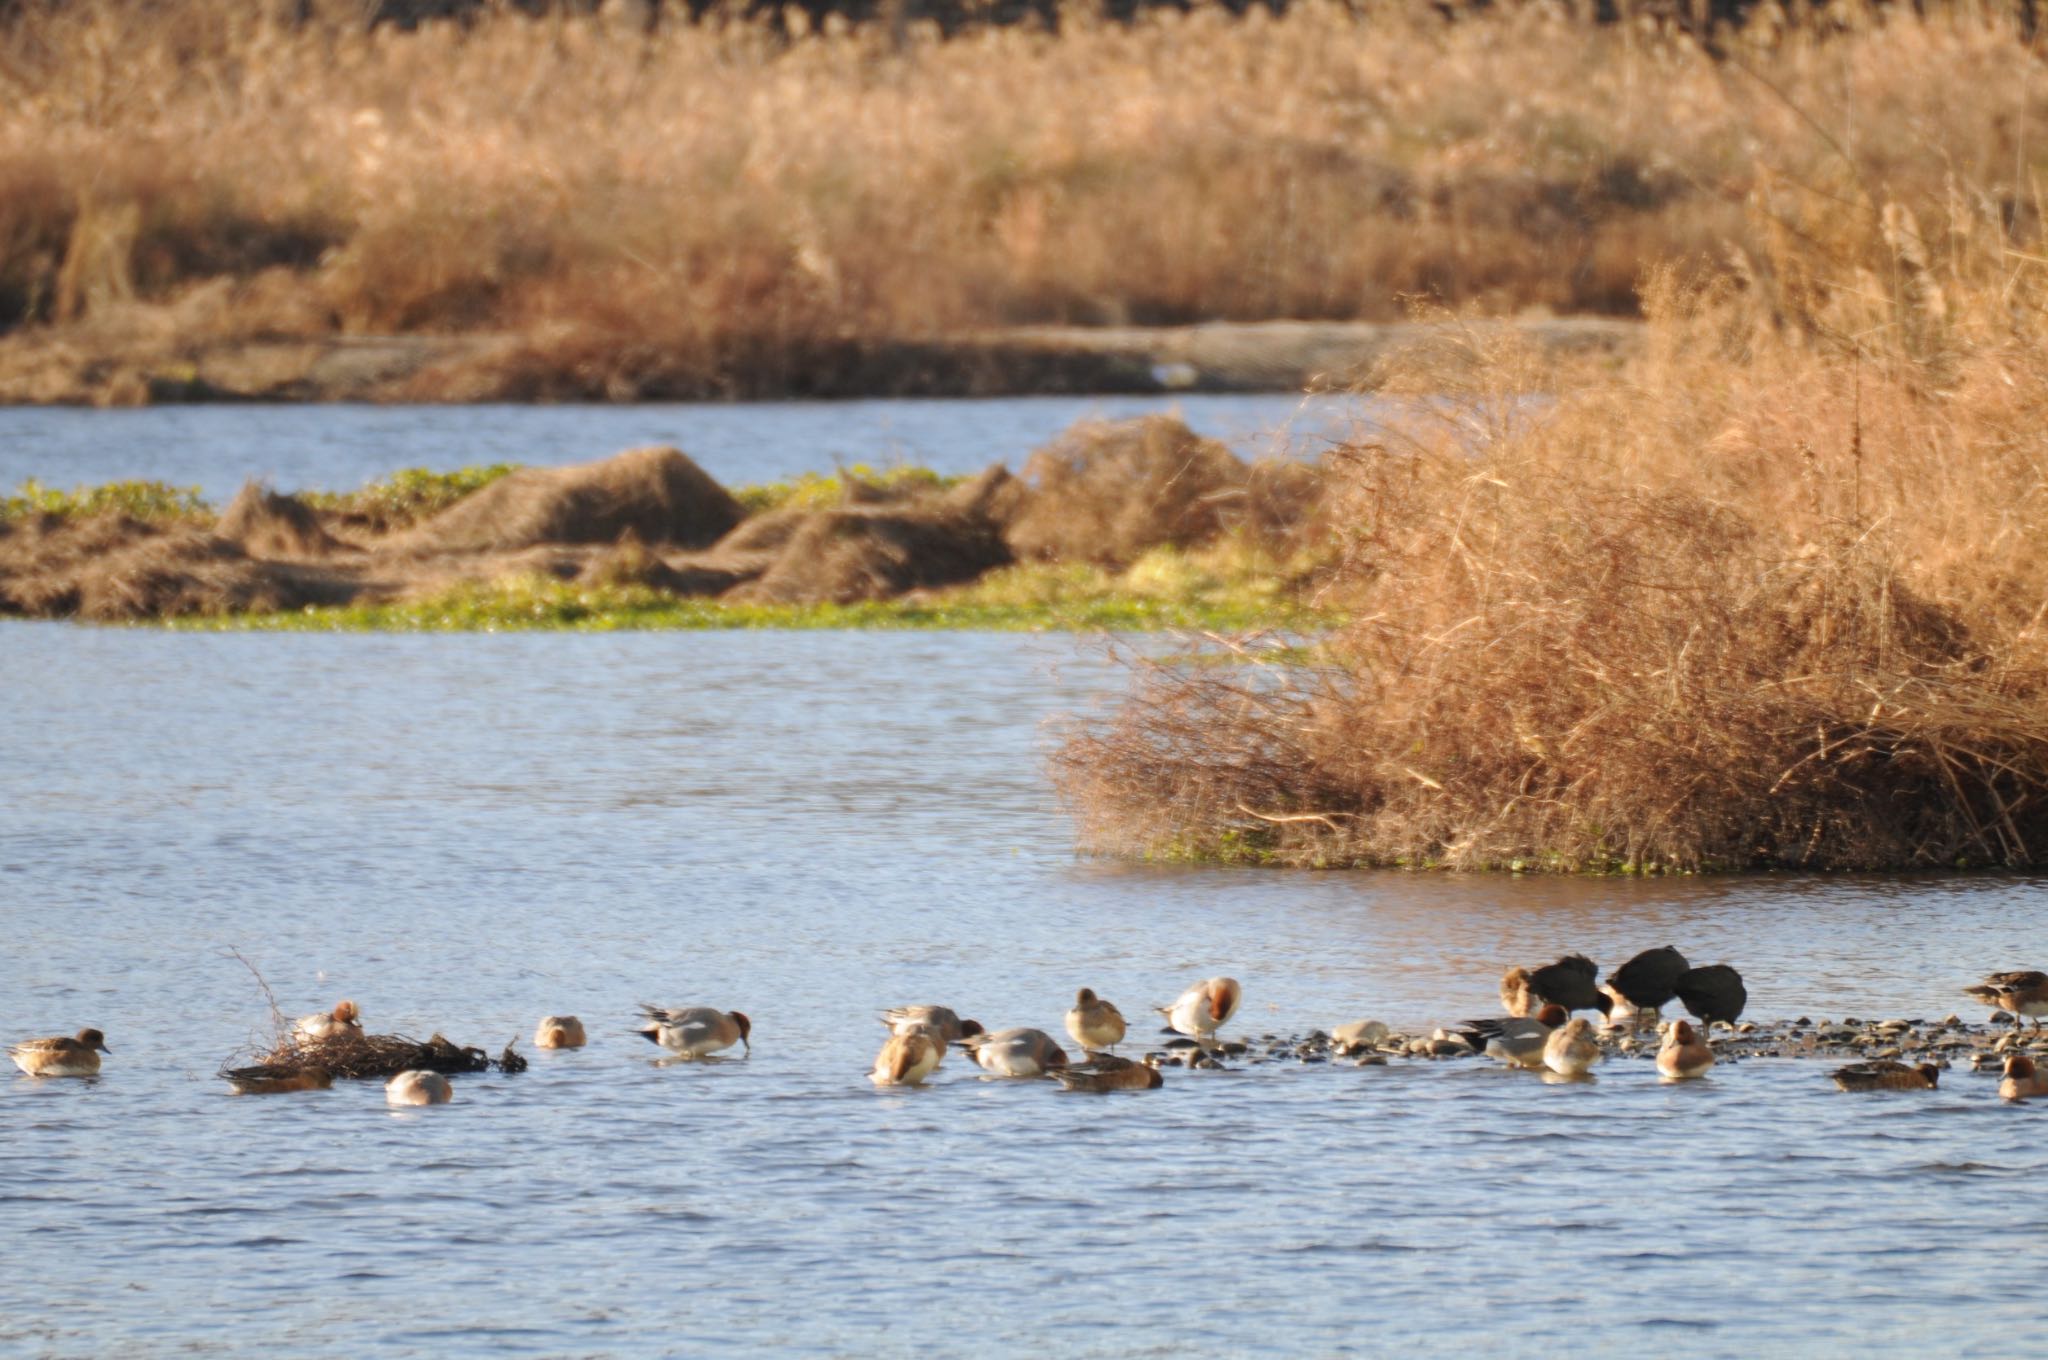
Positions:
(408, 495)
(1024, 598)
(821, 491)
(147, 501)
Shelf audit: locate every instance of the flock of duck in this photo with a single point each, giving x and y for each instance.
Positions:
(1539, 1031)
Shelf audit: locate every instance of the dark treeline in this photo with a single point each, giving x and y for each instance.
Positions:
(1705, 18)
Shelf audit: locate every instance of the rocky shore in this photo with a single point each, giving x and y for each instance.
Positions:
(1948, 1042)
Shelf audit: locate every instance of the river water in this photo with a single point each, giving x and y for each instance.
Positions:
(465, 832)
(338, 448)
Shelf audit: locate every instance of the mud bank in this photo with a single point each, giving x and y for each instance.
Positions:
(143, 356)
(1101, 497)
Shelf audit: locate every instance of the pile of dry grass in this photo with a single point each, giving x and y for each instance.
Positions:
(1771, 596)
(266, 524)
(656, 495)
(871, 553)
(363, 1057)
(112, 568)
(1109, 492)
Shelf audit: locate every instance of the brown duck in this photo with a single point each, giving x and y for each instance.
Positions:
(1105, 1072)
(2023, 993)
(1887, 1075)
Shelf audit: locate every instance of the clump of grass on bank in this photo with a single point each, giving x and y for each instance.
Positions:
(406, 496)
(819, 490)
(1771, 596)
(150, 502)
(715, 211)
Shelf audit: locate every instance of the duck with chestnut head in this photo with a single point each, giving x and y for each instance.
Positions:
(2023, 1080)
(77, 1056)
(1204, 1008)
(345, 1018)
(940, 1020)
(1685, 1055)
(692, 1032)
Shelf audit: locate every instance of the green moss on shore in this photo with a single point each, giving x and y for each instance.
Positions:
(1165, 591)
(151, 502)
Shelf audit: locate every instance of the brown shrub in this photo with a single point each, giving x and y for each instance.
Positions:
(993, 494)
(850, 554)
(766, 532)
(630, 563)
(266, 524)
(1106, 492)
(657, 494)
(113, 568)
(1767, 596)
(711, 209)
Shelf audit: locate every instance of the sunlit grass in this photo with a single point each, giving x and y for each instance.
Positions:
(820, 490)
(408, 495)
(1173, 591)
(713, 210)
(143, 500)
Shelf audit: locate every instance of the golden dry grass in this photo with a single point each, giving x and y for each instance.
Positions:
(714, 210)
(1770, 596)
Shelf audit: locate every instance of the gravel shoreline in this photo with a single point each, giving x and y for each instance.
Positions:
(1948, 1042)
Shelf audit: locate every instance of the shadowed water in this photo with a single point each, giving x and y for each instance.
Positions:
(462, 833)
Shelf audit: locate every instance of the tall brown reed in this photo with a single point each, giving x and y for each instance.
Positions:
(711, 208)
(1770, 596)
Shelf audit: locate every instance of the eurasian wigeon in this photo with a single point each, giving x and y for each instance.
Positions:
(343, 1019)
(1204, 1008)
(1684, 1055)
(1106, 1072)
(558, 1031)
(269, 1079)
(1712, 993)
(416, 1087)
(61, 1057)
(907, 1059)
(691, 1032)
(2022, 1078)
(1516, 996)
(1647, 981)
(1093, 1022)
(1518, 1040)
(2023, 993)
(1572, 1049)
(1015, 1052)
(940, 1020)
(1887, 1075)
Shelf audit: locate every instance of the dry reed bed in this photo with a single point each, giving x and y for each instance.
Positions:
(712, 210)
(1770, 596)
